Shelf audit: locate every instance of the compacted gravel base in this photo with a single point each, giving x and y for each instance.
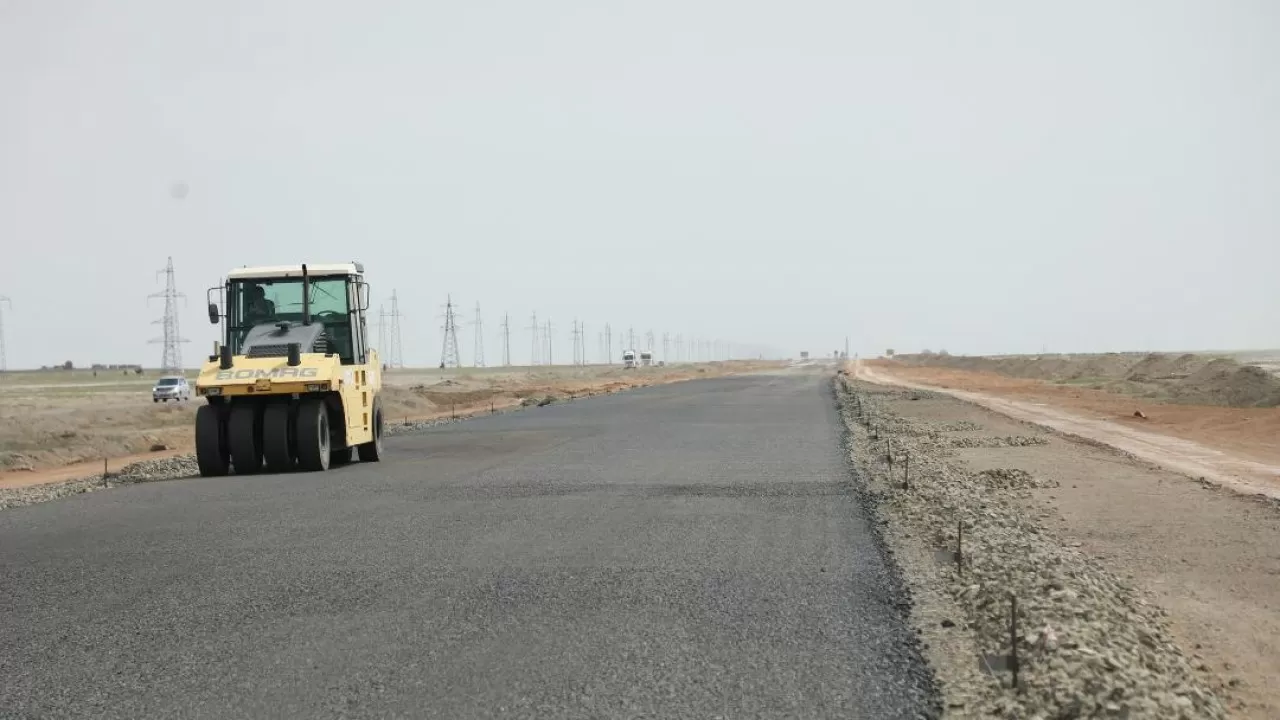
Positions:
(1087, 644)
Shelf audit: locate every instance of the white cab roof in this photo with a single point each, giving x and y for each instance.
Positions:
(275, 271)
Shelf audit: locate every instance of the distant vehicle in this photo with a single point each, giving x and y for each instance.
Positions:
(628, 359)
(171, 388)
(646, 357)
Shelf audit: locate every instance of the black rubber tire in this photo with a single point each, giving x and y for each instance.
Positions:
(372, 450)
(339, 457)
(244, 435)
(313, 435)
(279, 447)
(211, 442)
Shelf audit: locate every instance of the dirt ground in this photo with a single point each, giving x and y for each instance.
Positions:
(1208, 556)
(1234, 446)
(1239, 379)
(61, 424)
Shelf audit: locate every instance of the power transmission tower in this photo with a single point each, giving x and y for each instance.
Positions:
(608, 343)
(631, 338)
(535, 349)
(478, 361)
(680, 346)
(171, 360)
(648, 339)
(381, 346)
(547, 339)
(449, 355)
(506, 339)
(395, 354)
(4, 363)
(666, 347)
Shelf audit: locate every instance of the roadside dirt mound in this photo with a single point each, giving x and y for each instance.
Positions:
(1225, 382)
(1183, 378)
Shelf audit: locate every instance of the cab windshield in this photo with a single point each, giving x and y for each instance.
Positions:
(257, 301)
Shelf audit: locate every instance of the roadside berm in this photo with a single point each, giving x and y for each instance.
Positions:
(1016, 621)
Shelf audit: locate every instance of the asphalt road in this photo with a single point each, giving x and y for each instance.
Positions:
(683, 551)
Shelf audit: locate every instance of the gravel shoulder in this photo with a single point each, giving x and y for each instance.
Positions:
(1096, 637)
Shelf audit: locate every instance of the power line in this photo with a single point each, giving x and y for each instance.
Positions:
(171, 359)
(479, 351)
(4, 363)
(449, 355)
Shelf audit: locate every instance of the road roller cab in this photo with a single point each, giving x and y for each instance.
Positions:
(293, 383)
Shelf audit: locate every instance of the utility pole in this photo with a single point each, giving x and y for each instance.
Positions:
(478, 359)
(666, 346)
(631, 338)
(506, 339)
(4, 363)
(547, 339)
(171, 359)
(608, 343)
(574, 334)
(449, 355)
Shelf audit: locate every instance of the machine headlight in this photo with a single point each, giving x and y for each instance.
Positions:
(211, 391)
(317, 387)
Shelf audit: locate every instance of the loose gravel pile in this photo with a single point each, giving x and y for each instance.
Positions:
(1088, 645)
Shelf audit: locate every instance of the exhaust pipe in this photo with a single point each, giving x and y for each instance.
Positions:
(225, 357)
(306, 296)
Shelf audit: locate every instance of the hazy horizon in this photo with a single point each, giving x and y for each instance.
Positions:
(1088, 177)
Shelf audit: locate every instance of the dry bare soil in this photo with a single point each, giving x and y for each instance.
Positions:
(1208, 555)
(54, 424)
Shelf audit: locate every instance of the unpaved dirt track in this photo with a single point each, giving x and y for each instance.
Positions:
(683, 551)
(1180, 455)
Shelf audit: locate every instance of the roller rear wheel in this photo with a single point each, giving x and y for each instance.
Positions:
(313, 435)
(279, 446)
(244, 431)
(212, 454)
(372, 450)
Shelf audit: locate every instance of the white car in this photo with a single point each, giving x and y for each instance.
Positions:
(171, 388)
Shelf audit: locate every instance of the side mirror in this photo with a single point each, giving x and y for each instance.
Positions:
(362, 296)
(213, 314)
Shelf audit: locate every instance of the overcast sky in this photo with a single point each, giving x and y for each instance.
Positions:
(976, 176)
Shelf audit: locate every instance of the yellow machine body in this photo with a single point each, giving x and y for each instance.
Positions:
(294, 382)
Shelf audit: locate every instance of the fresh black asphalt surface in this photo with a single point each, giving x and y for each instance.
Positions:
(684, 551)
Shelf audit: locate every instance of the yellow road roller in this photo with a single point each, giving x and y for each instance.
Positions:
(293, 383)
